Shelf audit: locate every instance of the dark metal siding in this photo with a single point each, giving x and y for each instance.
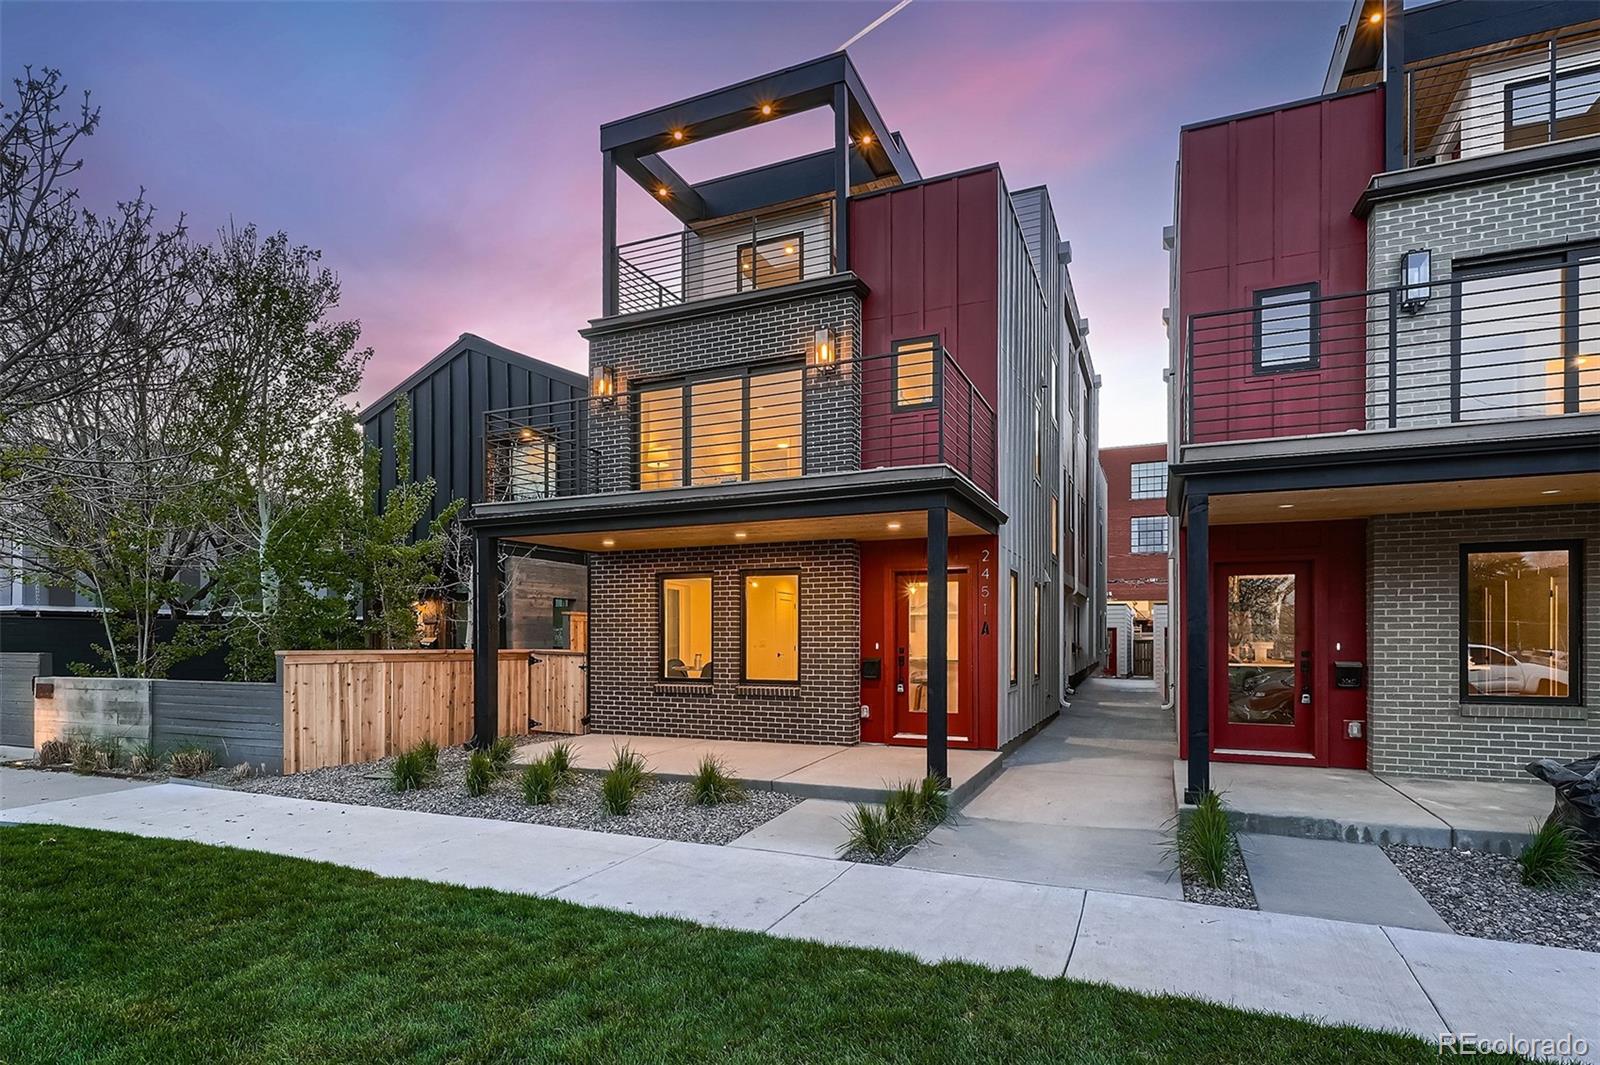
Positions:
(237, 722)
(17, 671)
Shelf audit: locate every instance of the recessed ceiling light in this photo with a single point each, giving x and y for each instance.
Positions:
(677, 134)
(740, 535)
(766, 109)
(663, 191)
(608, 542)
(1551, 492)
(1375, 18)
(1285, 506)
(893, 525)
(866, 138)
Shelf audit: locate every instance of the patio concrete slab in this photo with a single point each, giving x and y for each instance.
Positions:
(1496, 989)
(1109, 859)
(1482, 815)
(1316, 803)
(937, 917)
(1339, 881)
(814, 826)
(1324, 970)
(721, 886)
(25, 787)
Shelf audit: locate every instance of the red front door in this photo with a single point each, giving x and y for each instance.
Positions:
(911, 659)
(1261, 665)
(1111, 655)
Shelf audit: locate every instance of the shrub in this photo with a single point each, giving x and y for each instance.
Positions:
(711, 784)
(1204, 841)
(89, 755)
(241, 772)
(625, 759)
(190, 761)
(935, 800)
(539, 782)
(912, 807)
(1554, 857)
(143, 759)
(428, 751)
(500, 752)
(869, 831)
(53, 752)
(410, 770)
(623, 781)
(481, 773)
(560, 756)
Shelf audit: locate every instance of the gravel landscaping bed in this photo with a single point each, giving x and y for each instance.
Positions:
(1480, 894)
(662, 810)
(1235, 892)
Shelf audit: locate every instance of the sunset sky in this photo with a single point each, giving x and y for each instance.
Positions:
(444, 156)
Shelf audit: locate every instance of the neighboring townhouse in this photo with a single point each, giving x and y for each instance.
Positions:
(1386, 386)
(823, 471)
(1137, 535)
(546, 589)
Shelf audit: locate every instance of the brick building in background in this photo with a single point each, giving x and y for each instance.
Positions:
(1137, 555)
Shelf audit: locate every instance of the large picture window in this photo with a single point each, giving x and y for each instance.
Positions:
(1148, 480)
(1148, 536)
(686, 627)
(1521, 611)
(772, 628)
(1286, 329)
(1577, 108)
(533, 465)
(772, 261)
(746, 427)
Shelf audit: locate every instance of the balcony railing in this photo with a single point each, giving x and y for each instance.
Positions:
(747, 423)
(724, 258)
(1529, 92)
(1480, 346)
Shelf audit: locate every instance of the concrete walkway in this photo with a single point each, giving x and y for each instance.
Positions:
(28, 787)
(1085, 803)
(1340, 881)
(1361, 807)
(852, 774)
(1375, 977)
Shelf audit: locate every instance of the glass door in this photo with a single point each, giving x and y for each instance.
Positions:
(1263, 697)
(911, 659)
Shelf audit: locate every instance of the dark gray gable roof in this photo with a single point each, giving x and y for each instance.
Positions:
(465, 343)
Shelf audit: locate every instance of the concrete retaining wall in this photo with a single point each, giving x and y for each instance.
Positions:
(115, 708)
(17, 670)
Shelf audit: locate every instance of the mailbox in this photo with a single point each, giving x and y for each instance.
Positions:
(1349, 674)
(871, 668)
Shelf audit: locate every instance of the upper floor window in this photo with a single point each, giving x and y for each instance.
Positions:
(914, 372)
(1286, 329)
(1148, 480)
(1055, 528)
(718, 430)
(1521, 628)
(772, 261)
(1577, 108)
(1148, 536)
(533, 465)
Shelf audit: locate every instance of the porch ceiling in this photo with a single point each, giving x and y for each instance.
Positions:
(889, 525)
(1322, 504)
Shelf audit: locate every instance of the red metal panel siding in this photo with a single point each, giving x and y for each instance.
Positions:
(1130, 576)
(1266, 203)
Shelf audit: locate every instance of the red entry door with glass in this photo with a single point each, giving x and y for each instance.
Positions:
(911, 659)
(1263, 700)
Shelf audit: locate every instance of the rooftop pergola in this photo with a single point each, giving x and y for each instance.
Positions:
(864, 151)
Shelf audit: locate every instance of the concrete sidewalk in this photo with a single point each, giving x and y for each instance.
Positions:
(1366, 975)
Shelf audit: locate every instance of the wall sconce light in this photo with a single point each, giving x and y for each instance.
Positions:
(825, 349)
(603, 386)
(1416, 279)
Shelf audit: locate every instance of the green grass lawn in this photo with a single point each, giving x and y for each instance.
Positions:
(117, 948)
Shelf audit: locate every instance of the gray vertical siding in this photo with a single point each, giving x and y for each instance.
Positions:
(237, 722)
(17, 670)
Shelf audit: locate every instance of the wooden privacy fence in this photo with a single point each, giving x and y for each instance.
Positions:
(341, 707)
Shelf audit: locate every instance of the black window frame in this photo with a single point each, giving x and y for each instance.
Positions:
(1550, 121)
(1312, 291)
(755, 244)
(684, 385)
(1014, 623)
(1133, 479)
(935, 365)
(1133, 536)
(1037, 642)
(661, 621)
(1575, 608)
(799, 625)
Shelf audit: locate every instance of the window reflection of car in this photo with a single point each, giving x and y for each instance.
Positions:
(1491, 671)
(1268, 697)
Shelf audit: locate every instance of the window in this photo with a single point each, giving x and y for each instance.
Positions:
(1038, 628)
(1051, 369)
(1286, 329)
(686, 627)
(1148, 536)
(772, 628)
(533, 465)
(914, 372)
(742, 428)
(772, 261)
(1011, 624)
(1148, 480)
(560, 635)
(1038, 445)
(1055, 527)
(1577, 108)
(1521, 610)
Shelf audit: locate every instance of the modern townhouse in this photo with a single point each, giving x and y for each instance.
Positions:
(1386, 386)
(1137, 545)
(839, 437)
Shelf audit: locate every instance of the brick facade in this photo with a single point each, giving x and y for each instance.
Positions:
(1418, 723)
(626, 696)
(1131, 576)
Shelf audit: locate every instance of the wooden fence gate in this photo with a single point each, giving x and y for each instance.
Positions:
(341, 707)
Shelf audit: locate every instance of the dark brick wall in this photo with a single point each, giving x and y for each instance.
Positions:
(1418, 722)
(625, 646)
(766, 332)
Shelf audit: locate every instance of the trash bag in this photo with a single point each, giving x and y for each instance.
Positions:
(1577, 787)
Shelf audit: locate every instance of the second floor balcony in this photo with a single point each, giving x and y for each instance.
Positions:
(913, 406)
(1485, 345)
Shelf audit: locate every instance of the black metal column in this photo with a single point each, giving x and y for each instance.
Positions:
(485, 640)
(841, 177)
(938, 644)
(608, 235)
(1396, 86)
(1197, 641)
